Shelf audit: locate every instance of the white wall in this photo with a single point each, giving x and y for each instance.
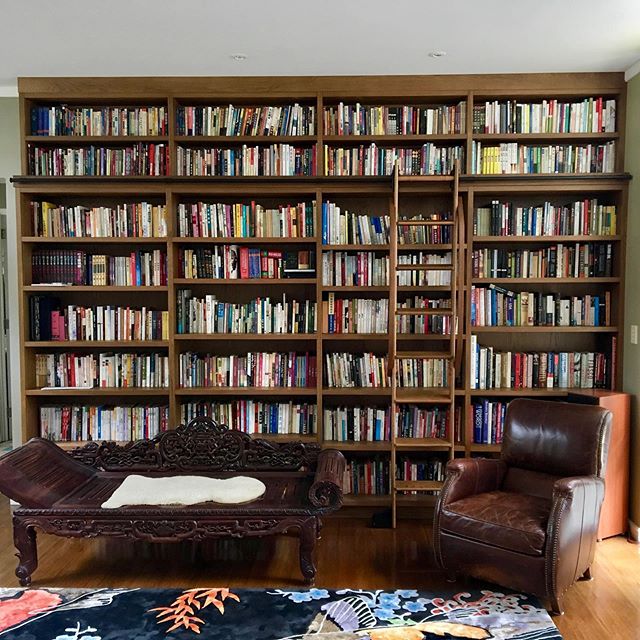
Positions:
(10, 166)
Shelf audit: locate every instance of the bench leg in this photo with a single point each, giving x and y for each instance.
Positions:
(308, 537)
(24, 539)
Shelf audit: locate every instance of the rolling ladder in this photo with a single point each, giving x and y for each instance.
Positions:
(450, 352)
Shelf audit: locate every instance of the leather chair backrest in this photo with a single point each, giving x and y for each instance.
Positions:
(544, 441)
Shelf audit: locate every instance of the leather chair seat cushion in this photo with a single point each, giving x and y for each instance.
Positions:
(512, 521)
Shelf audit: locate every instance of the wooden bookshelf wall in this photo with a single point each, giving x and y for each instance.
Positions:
(360, 194)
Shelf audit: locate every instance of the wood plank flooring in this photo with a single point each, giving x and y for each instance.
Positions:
(350, 554)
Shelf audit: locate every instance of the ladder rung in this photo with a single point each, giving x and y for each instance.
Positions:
(418, 485)
(424, 267)
(427, 355)
(424, 312)
(423, 223)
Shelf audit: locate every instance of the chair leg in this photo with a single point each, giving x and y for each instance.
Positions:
(24, 539)
(587, 575)
(308, 537)
(557, 608)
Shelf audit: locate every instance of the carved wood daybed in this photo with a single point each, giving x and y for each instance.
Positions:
(61, 492)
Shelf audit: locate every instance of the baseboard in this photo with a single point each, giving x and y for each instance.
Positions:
(634, 532)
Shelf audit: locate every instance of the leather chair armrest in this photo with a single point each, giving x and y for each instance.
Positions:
(572, 530)
(471, 476)
(326, 490)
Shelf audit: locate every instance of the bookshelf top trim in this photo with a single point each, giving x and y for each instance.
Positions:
(333, 87)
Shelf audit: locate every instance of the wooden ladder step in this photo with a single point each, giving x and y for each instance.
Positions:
(424, 267)
(424, 312)
(418, 485)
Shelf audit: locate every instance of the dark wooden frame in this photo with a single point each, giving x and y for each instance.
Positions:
(60, 492)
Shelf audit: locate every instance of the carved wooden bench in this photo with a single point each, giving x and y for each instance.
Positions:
(61, 492)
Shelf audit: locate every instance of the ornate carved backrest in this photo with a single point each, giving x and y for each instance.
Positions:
(202, 445)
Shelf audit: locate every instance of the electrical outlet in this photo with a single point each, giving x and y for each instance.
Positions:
(634, 334)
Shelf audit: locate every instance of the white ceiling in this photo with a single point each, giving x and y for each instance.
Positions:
(313, 37)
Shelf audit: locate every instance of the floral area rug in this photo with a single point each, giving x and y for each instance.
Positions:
(269, 614)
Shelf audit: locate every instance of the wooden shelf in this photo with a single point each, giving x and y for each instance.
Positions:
(519, 392)
(231, 140)
(201, 240)
(373, 446)
(88, 240)
(82, 140)
(86, 288)
(423, 443)
(485, 448)
(362, 289)
(506, 329)
(355, 247)
(422, 396)
(545, 280)
(543, 239)
(357, 391)
(98, 391)
(243, 337)
(246, 391)
(335, 140)
(94, 344)
(529, 137)
(268, 282)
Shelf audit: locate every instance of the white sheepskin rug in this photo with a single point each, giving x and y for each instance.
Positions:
(184, 490)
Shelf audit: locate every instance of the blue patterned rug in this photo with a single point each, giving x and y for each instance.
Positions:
(269, 614)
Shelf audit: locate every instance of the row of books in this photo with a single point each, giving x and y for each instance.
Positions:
(583, 217)
(365, 370)
(366, 477)
(261, 315)
(49, 320)
(363, 119)
(579, 260)
(232, 262)
(497, 307)
(354, 315)
(488, 418)
(426, 233)
(373, 160)
(422, 323)
(421, 277)
(103, 370)
(424, 470)
(140, 159)
(356, 424)
(274, 160)
(493, 369)
(255, 369)
(76, 267)
(355, 269)
(239, 220)
(591, 115)
(128, 220)
(422, 373)
(255, 416)
(516, 158)
(419, 422)
(345, 227)
(67, 120)
(77, 423)
(230, 120)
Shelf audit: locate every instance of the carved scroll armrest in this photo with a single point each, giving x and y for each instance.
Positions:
(326, 490)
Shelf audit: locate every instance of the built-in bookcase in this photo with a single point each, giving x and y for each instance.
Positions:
(267, 204)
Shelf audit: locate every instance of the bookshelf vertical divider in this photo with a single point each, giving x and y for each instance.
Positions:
(372, 194)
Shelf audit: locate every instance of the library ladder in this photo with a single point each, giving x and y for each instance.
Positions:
(440, 397)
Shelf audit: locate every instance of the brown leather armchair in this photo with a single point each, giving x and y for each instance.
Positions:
(528, 520)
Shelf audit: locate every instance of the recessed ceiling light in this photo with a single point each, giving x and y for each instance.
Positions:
(437, 54)
(238, 57)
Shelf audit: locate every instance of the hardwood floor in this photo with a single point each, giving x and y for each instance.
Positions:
(349, 554)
